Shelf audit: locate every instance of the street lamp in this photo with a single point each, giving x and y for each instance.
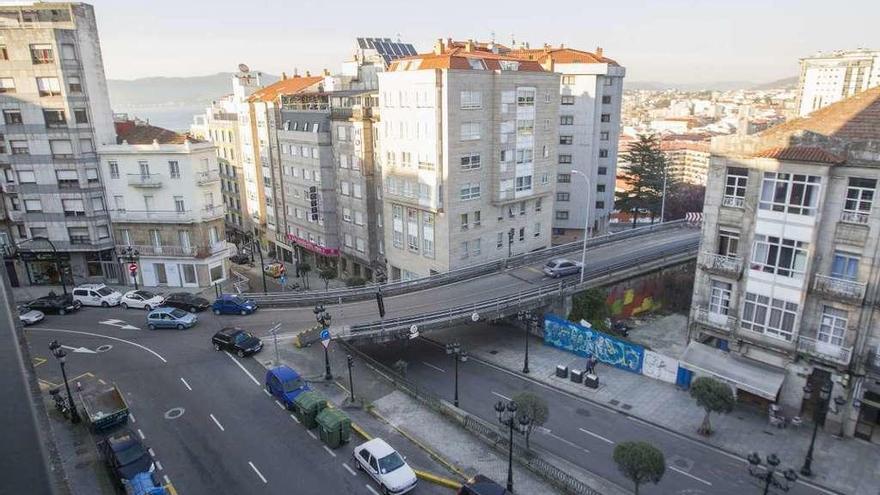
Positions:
(60, 354)
(323, 317)
(818, 417)
(529, 319)
(586, 221)
(350, 361)
(507, 416)
(129, 254)
(256, 245)
(510, 234)
(457, 354)
(770, 476)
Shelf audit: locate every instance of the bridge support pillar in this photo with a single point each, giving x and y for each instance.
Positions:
(561, 306)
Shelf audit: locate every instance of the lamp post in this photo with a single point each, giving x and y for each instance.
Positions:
(256, 245)
(60, 354)
(457, 354)
(818, 417)
(323, 317)
(507, 416)
(129, 254)
(510, 234)
(529, 319)
(350, 361)
(770, 476)
(586, 221)
(57, 261)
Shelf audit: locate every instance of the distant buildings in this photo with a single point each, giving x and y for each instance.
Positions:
(688, 159)
(826, 78)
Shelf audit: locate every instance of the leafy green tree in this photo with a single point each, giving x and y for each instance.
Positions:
(327, 273)
(533, 406)
(591, 306)
(641, 462)
(713, 396)
(643, 178)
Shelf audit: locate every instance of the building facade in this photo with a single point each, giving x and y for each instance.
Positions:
(56, 113)
(826, 78)
(787, 286)
(688, 160)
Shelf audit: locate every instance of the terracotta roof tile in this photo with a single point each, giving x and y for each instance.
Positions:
(140, 133)
(856, 118)
(562, 56)
(287, 86)
(458, 58)
(812, 154)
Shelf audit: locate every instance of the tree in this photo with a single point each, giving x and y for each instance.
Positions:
(643, 178)
(591, 306)
(684, 198)
(304, 269)
(641, 462)
(533, 406)
(327, 273)
(713, 396)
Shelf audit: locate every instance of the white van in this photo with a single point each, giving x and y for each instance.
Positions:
(96, 295)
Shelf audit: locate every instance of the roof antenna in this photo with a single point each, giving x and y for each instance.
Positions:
(512, 41)
(398, 37)
(493, 37)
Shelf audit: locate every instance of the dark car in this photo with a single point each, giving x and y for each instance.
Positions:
(236, 340)
(125, 455)
(231, 304)
(481, 485)
(241, 259)
(55, 304)
(187, 302)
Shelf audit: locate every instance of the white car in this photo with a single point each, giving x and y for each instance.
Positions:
(386, 466)
(142, 299)
(96, 295)
(29, 316)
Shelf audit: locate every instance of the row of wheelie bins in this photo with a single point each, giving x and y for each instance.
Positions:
(334, 426)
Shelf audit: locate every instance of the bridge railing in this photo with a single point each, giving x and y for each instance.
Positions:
(468, 272)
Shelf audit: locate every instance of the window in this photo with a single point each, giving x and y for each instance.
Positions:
(48, 86)
(605, 117)
(606, 99)
(356, 190)
(358, 217)
(859, 200)
(463, 250)
(525, 127)
(360, 245)
(74, 85)
(470, 191)
(537, 231)
(7, 85)
(719, 297)
(470, 161)
(783, 257)
(545, 151)
(61, 148)
(563, 178)
(567, 100)
(522, 207)
(92, 175)
(179, 205)
(397, 226)
(525, 155)
(33, 205)
(348, 240)
(54, 117)
(103, 232)
(427, 234)
(539, 203)
(600, 205)
(524, 183)
(79, 235)
(832, 329)
(412, 229)
(346, 214)
(173, 169)
(797, 194)
(563, 196)
(86, 145)
(476, 247)
(728, 243)
(845, 266)
(566, 139)
(602, 170)
(774, 317)
(68, 52)
(345, 188)
(12, 117)
(608, 81)
(604, 135)
(735, 187)
(27, 177)
(562, 215)
(471, 100)
(470, 131)
(114, 169)
(499, 241)
(603, 153)
(522, 234)
(568, 80)
(81, 115)
(19, 147)
(42, 54)
(564, 158)
(566, 120)
(67, 179)
(39, 232)
(98, 204)
(525, 97)
(477, 219)
(4, 54)
(465, 224)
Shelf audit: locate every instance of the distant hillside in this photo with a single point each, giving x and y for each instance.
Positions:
(172, 91)
(719, 85)
(787, 83)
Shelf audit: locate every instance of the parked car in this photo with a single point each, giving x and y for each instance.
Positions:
(481, 485)
(142, 299)
(187, 302)
(126, 455)
(561, 267)
(234, 339)
(29, 316)
(385, 466)
(231, 304)
(285, 384)
(96, 295)
(55, 304)
(171, 318)
(274, 270)
(241, 259)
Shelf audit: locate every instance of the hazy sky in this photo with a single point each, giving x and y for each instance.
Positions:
(676, 41)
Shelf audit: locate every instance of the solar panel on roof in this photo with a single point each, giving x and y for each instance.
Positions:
(395, 47)
(361, 43)
(411, 50)
(369, 42)
(387, 59)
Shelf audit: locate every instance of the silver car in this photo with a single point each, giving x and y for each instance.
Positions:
(29, 316)
(561, 267)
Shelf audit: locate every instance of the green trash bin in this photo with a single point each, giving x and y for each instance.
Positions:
(334, 427)
(306, 407)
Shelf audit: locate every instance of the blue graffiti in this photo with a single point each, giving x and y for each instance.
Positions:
(584, 341)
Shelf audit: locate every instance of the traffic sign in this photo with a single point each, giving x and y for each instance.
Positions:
(325, 338)
(133, 267)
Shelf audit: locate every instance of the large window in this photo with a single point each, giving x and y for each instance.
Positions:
(42, 54)
(7, 85)
(719, 297)
(470, 131)
(525, 97)
(427, 234)
(783, 257)
(832, 330)
(471, 161)
(770, 316)
(790, 193)
(845, 266)
(412, 229)
(525, 127)
(525, 155)
(859, 199)
(566, 120)
(524, 183)
(471, 100)
(728, 243)
(735, 187)
(397, 226)
(48, 86)
(470, 191)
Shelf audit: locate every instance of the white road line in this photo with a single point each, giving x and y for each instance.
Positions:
(101, 336)
(167, 480)
(329, 451)
(294, 418)
(600, 437)
(141, 434)
(242, 368)
(186, 384)
(496, 394)
(350, 470)
(689, 475)
(152, 452)
(429, 365)
(158, 465)
(566, 441)
(217, 423)
(311, 434)
(131, 418)
(102, 382)
(372, 490)
(267, 392)
(280, 405)
(257, 471)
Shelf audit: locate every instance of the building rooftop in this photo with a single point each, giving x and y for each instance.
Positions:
(139, 132)
(562, 55)
(465, 58)
(812, 154)
(856, 118)
(291, 85)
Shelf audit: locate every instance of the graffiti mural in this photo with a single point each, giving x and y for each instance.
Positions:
(643, 296)
(583, 341)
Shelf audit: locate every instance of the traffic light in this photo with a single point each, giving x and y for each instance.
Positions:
(313, 198)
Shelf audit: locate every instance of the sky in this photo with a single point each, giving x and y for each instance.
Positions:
(670, 41)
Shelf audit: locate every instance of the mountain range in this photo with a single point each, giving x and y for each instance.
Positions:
(788, 82)
(169, 91)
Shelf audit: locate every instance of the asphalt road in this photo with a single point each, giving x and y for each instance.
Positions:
(577, 430)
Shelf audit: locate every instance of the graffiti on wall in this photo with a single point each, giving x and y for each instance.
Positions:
(659, 367)
(633, 299)
(583, 341)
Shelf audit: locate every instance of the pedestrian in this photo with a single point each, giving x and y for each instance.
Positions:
(591, 363)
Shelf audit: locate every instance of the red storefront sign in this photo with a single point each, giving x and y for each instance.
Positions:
(311, 246)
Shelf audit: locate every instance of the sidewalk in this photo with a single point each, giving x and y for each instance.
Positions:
(847, 465)
(255, 278)
(31, 292)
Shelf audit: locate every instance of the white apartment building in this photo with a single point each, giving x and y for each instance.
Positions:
(467, 145)
(164, 197)
(826, 78)
(56, 112)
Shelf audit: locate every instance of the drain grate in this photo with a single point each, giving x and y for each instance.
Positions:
(626, 407)
(614, 402)
(493, 352)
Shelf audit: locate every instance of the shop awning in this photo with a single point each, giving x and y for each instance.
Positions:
(755, 378)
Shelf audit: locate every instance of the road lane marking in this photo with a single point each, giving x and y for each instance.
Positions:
(102, 382)
(267, 392)
(141, 434)
(152, 452)
(258, 472)
(294, 418)
(600, 437)
(350, 470)
(329, 451)
(158, 465)
(131, 418)
(311, 434)
(496, 394)
(280, 405)
(186, 384)
(167, 480)
(429, 365)
(566, 441)
(372, 490)
(217, 423)
(689, 475)
(101, 336)
(242, 368)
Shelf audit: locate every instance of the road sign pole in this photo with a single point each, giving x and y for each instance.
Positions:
(325, 341)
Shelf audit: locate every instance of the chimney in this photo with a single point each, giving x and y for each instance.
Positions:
(326, 72)
(308, 74)
(527, 45)
(283, 76)
(561, 46)
(438, 46)
(599, 51)
(449, 43)
(469, 46)
(295, 72)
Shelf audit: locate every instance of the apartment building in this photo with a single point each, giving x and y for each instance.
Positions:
(826, 78)
(688, 160)
(590, 91)
(787, 287)
(468, 149)
(163, 190)
(56, 112)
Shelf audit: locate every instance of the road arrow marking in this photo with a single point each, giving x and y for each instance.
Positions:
(79, 349)
(120, 324)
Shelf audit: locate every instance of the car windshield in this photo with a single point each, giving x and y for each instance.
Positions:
(236, 300)
(178, 313)
(131, 453)
(291, 385)
(104, 291)
(390, 463)
(241, 337)
(551, 264)
(145, 294)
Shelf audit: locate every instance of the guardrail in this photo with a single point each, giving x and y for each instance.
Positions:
(394, 288)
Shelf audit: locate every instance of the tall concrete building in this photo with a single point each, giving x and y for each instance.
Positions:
(468, 146)
(56, 113)
(786, 293)
(688, 159)
(826, 78)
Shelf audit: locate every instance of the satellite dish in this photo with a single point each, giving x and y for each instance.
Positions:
(243, 68)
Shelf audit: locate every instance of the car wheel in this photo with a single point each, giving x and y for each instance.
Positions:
(151, 326)
(104, 304)
(243, 312)
(385, 490)
(357, 463)
(217, 348)
(124, 305)
(180, 327)
(216, 311)
(61, 312)
(192, 309)
(240, 353)
(147, 307)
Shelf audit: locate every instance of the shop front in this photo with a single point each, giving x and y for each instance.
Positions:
(46, 269)
(868, 424)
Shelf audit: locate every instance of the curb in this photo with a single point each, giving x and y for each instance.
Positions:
(170, 490)
(437, 480)
(360, 431)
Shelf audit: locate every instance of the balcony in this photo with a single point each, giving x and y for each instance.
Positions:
(824, 351)
(846, 290)
(207, 177)
(211, 212)
(152, 216)
(145, 180)
(219, 247)
(153, 250)
(857, 217)
(733, 202)
(719, 322)
(721, 264)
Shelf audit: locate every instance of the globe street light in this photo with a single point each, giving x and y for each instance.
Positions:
(507, 416)
(60, 354)
(530, 320)
(819, 414)
(770, 475)
(457, 354)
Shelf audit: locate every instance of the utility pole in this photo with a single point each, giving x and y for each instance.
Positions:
(274, 332)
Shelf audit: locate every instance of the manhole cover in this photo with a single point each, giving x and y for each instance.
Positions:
(103, 348)
(614, 402)
(626, 407)
(493, 352)
(174, 413)
(681, 462)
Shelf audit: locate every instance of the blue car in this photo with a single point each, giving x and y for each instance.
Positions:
(171, 318)
(285, 384)
(230, 304)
